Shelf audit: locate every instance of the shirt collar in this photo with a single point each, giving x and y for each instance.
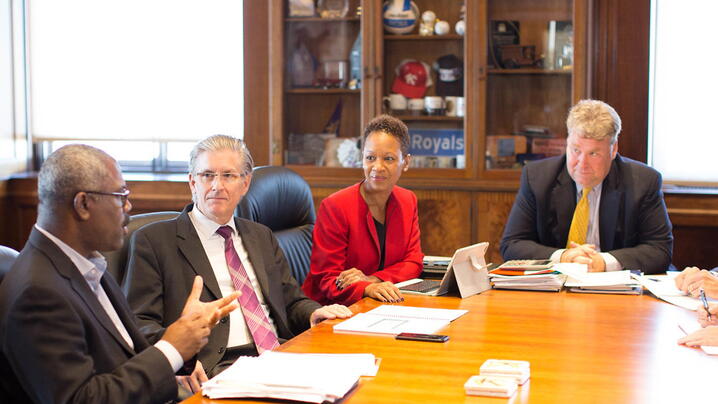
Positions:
(91, 269)
(207, 227)
(595, 190)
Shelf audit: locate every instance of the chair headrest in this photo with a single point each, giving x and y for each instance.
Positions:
(7, 258)
(117, 260)
(279, 198)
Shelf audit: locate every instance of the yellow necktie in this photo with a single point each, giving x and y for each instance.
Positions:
(579, 224)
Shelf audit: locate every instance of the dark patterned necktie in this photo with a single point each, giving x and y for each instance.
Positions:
(257, 321)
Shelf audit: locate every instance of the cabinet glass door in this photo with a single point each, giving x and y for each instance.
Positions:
(530, 67)
(422, 80)
(323, 83)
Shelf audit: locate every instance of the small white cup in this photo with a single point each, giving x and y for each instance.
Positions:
(434, 105)
(416, 106)
(396, 103)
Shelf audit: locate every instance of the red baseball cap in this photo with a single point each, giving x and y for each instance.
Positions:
(412, 78)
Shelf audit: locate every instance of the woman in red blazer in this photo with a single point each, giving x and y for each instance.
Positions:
(366, 236)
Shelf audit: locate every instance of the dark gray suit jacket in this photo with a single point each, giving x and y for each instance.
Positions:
(58, 343)
(633, 222)
(166, 256)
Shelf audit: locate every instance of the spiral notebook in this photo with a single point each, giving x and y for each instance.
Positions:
(393, 320)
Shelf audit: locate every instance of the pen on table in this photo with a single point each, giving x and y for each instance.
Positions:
(705, 303)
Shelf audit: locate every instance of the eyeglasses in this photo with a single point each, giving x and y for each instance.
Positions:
(123, 195)
(207, 177)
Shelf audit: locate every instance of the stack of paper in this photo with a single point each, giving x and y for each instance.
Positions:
(313, 378)
(529, 280)
(620, 282)
(519, 370)
(393, 320)
(492, 386)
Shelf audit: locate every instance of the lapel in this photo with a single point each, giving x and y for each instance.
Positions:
(191, 247)
(611, 196)
(69, 271)
(563, 198)
(119, 302)
(256, 257)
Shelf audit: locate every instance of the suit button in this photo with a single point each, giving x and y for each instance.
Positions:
(223, 320)
(220, 350)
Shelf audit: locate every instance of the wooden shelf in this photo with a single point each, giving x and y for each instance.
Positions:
(320, 19)
(323, 91)
(415, 37)
(429, 118)
(530, 71)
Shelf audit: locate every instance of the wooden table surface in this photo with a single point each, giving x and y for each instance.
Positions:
(583, 348)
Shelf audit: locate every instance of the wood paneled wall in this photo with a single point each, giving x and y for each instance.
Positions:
(618, 48)
(256, 80)
(21, 204)
(695, 229)
(448, 219)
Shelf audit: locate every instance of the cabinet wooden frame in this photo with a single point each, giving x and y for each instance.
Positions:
(377, 74)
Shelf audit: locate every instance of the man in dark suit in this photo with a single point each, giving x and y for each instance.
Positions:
(66, 331)
(229, 253)
(591, 205)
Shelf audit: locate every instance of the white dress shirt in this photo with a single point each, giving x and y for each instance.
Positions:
(593, 235)
(213, 245)
(92, 270)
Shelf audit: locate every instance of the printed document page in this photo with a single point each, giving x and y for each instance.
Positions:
(392, 320)
(418, 312)
(367, 323)
(664, 288)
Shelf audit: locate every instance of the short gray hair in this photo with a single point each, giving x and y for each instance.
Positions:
(69, 170)
(595, 119)
(222, 142)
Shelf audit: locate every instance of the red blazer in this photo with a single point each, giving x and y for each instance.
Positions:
(345, 237)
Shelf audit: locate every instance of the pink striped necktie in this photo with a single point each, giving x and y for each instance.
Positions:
(257, 322)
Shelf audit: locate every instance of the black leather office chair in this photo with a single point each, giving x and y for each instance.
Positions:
(7, 258)
(280, 199)
(117, 260)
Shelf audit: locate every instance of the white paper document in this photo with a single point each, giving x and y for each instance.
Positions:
(596, 279)
(664, 288)
(393, 320)
(418, 312)
(571, 270)
(580, 280)
(311, 378)
(689, 327)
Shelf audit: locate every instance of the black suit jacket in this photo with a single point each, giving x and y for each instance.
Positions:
(633, 222)
(166, 256)
(58, 343)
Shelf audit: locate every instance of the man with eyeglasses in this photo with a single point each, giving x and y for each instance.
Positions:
(229, 253)
(66, 331)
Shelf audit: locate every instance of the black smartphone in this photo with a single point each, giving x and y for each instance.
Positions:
(410, 336)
